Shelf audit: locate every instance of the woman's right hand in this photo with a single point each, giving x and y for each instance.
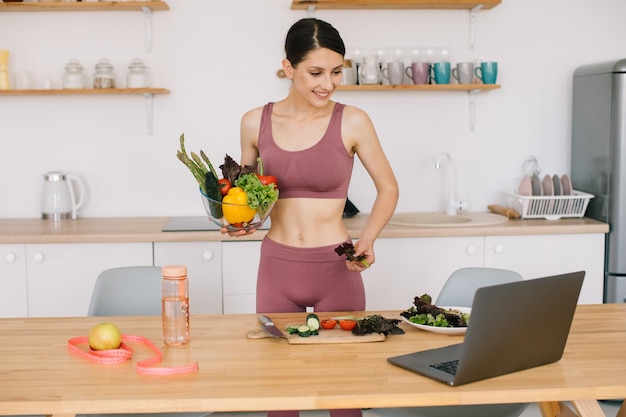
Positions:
(238, 233)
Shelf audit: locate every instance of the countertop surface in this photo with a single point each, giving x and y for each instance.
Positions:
(150, 229)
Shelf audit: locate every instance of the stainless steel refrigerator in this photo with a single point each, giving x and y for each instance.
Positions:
(598, 164)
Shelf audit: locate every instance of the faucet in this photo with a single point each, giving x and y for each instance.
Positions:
(452, 203)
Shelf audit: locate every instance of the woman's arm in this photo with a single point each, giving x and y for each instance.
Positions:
(360, 135)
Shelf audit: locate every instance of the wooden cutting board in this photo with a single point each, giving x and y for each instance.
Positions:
(336, 335)
(324, 337)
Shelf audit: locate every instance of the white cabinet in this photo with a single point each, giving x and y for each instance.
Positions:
(204, 271)
(13, 281)
(543, 255)
(409, 267)
(240, 264)
(61, 276)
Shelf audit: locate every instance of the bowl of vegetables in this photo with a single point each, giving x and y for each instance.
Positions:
(241, 198)
(234, 212)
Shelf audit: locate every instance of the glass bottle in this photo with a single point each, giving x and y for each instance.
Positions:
(349, 73)
(4, 69)
(137, 77)
(73, 76)
(104, 77)
(175, 305)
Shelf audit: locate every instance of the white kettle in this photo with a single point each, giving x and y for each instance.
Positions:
(59, 199)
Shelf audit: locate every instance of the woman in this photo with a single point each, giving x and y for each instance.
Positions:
(308, 142)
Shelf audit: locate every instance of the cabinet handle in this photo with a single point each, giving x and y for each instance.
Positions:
(38, 257)
(471, 250)
(207, 255)
(10, 257)
(498, 248)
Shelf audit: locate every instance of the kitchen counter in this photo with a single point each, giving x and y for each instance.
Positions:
(149, 229)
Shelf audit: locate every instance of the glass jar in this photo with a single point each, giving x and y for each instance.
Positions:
(349, 73)
(137, 77)
(73, 77)
(104, 77)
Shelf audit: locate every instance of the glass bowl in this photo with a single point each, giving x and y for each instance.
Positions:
(215, 211)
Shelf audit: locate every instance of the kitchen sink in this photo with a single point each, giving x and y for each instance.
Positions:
(441, 219)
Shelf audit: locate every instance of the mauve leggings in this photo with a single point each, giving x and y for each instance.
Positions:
(292, 279)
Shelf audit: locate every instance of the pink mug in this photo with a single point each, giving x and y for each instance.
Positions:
(419, 72)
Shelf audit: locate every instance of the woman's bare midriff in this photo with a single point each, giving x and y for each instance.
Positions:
(308, 222)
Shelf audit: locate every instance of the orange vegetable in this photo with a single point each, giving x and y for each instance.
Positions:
(347, 324)
(328, 324)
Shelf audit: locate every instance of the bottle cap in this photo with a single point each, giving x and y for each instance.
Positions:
(174, 271)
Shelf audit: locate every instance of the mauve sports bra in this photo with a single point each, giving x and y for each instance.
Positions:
(321, 171)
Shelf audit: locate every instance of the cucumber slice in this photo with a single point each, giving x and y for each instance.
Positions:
(292, 329)
(313, 321)
(304, 331)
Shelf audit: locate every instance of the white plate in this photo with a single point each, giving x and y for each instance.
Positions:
(443, 330)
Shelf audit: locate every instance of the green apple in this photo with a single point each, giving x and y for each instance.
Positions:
(104, 336)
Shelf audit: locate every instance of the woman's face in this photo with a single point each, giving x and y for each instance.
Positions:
(316, 77)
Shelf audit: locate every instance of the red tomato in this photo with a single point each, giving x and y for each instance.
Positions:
(224, 185)
(328, 324)
(347, 324)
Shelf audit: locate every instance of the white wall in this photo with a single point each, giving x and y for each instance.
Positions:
(219, 58)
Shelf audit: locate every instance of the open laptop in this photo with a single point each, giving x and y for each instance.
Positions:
(512, 327)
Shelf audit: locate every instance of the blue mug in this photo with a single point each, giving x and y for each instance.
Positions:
(487, 72)
(441, 72)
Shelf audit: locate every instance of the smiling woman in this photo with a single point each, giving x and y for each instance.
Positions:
(308, 143)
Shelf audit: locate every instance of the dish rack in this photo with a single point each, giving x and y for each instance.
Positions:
(549, 207)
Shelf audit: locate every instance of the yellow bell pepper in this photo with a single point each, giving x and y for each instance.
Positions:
(242, 213)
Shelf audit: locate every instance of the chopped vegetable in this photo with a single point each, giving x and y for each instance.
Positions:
(265, 179)
(242, 213)
(347, 324)
(377, 324)
(304, 331)
(313, 321)
(348, 249)
(259, 196)
(328, 324)
(424, 312)
(224, 185)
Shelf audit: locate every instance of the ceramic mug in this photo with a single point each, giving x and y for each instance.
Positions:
(419, 72)
(487, 72)
(441, 72)
(394, 72)
(464, 73)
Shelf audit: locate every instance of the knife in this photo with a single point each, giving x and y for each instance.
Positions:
(269, 327)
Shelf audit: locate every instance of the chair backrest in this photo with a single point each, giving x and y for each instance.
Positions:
(127, 291)
(461, 286)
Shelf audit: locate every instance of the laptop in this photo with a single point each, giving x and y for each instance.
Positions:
(512, 327)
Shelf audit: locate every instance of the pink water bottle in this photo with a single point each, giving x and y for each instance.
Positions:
(175, 305)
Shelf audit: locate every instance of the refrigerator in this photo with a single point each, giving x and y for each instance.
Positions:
(598, 160)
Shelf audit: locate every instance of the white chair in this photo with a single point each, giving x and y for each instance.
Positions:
(459, 291)
(130, 291)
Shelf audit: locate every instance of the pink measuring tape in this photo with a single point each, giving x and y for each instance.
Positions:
(124, 353)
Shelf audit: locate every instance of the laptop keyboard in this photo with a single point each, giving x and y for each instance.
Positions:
(448, 367)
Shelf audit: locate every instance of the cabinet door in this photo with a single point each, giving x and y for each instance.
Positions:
(410, 267)
(13, 281)
(61, 276)
(544, 255)
(240, 264)
(204, 270)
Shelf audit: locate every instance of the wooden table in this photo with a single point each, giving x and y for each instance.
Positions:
(38, 375)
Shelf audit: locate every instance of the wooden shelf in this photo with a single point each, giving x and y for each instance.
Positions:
(393, 4)
(423, 87)
(83, 6)
(84, 91)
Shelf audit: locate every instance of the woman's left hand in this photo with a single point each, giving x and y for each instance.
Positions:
(362, 248)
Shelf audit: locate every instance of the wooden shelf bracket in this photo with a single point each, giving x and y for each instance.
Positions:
(147, 12)
(472, 108)
(473, 17)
